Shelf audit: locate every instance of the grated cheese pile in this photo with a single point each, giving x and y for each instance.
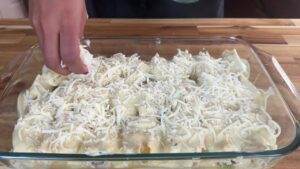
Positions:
(192, 103)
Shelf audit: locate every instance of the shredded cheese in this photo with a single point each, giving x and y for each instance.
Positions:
(192, 103)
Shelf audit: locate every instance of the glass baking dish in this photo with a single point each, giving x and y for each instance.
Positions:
(266, 72)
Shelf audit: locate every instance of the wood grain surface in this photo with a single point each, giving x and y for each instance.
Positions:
(280, 37)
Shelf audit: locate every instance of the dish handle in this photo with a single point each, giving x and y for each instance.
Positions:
(9, 70)
(283, 83)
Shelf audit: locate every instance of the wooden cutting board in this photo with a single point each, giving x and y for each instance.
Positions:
(280, 37)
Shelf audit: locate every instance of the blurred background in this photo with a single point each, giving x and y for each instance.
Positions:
(173, 8)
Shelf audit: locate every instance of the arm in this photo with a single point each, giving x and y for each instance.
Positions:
(59, 25)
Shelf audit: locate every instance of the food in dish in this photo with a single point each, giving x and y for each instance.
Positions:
(191, 103)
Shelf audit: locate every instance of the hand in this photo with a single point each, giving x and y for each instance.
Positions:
(59, 25)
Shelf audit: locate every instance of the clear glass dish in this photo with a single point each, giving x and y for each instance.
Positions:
(265, 73)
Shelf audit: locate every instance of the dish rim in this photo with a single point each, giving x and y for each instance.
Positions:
(160, 156)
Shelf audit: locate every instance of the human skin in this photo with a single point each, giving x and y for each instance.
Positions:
(59, 25)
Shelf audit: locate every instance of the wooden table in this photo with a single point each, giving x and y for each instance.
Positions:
(280, 37)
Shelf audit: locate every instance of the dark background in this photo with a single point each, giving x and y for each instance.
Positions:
(262, 8)
(258, 9)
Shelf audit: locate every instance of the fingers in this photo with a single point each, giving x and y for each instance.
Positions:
(35, 22)
(70, 53)
(49, 44)
(51, 51)
(70, 34)
(69, 49)
(47, 31)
